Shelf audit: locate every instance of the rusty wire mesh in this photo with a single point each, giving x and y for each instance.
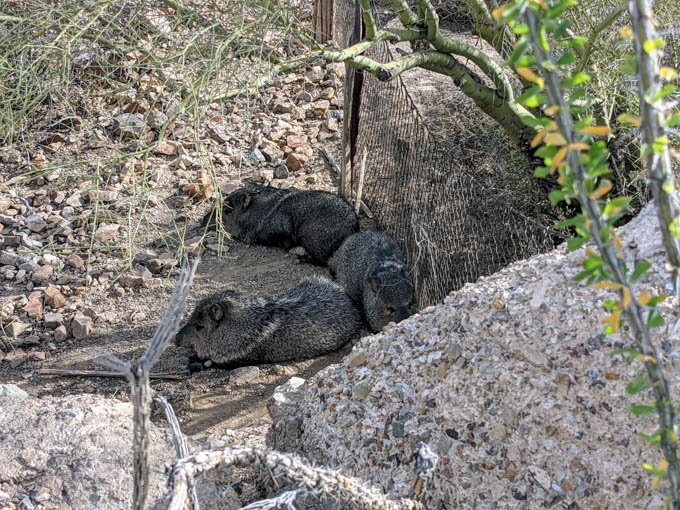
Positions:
(441, 178)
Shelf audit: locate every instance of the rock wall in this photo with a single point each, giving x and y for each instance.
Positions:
(510, 382)
(75, 453)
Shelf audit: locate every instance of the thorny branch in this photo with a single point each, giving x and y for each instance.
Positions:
(635, 313)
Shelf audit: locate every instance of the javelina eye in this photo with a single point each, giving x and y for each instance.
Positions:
(216, 312)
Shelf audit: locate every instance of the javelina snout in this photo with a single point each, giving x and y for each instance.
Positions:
(390, 298)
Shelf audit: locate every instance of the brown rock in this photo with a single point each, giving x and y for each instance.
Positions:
(295, 141)
(60, 334)
(131, 280)
(54, 298)
(321, 107)
(75, 261)
(106, 233)
(81, 326)
(102, 195)
(14, 329)
(34, 307)
(54, 320)
(42, 276)
(166, 148)
(296, 161)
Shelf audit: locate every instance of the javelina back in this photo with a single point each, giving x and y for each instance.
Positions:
(314, 318)
(316, 220)
(371, 268)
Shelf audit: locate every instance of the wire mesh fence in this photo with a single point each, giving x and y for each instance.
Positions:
(458, 211)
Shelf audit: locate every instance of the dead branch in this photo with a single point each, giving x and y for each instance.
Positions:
(138, 374)
(360, 186)
(63, 372)
(181, 447)
(318, 481)
(331, 161)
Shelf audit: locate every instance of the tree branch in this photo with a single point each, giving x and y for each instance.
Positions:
(634, 311)
(601, 26)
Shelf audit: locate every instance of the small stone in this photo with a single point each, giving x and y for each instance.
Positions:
(60, 334)
(138, 317)
(73, 201)
(244, 375)
(102, 195)
(166, 148)
(296, 161)
(159, 264)
(281, 172)
(304, 97)
(106, 233)
(256, 156)
(156, 119)
(131, 281)
(284, 107)
(81, 325)
(75, 261)
(29, 266)
(271, 152)
(296, 141)
(34, 307)
(35, 223)
(218, 134)
(54, 298)
(321, 107)
(42, 276)
(316, 74)
(360, 391)
(8, 259)
(11, 156)
(541, 477)
(14, 329)
(54, 320)
(13, 391)
(129, 125)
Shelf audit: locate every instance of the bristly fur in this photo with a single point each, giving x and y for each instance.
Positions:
(316, 220)
(314, 318)
(371, 268)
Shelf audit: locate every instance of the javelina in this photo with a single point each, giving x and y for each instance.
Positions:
(371, 268)
(314, 318)
(316, 220)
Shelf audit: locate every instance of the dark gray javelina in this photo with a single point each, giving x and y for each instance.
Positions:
(314, 318)
(371, 268)
(316, 220)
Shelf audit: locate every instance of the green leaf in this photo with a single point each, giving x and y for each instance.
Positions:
(556, 196)
(629, 65)
(649, 46)
(561, 29)
(673, 120)
(576, 221)
(580, 78)
(566, 59)
(526, 61)
(653, 440)
(518, 51)
(632, 353)
(640, 269)
(521, 29)
(638, 385)
(574, 243)
(640, 410)
(654, 319)
(666, 91)
(542, 172)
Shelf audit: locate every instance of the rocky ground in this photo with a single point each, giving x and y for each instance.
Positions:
(90, 241)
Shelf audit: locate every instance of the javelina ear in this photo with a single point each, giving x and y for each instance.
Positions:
(242, 201)
(216, 312)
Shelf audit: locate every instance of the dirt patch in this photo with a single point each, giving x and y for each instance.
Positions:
(205, 402)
